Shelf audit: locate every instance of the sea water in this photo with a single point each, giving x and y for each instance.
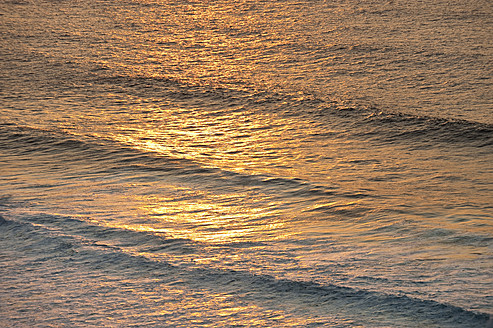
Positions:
(246, 163)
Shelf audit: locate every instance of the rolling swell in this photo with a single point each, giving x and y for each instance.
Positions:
(358, 120)
(107, 157)
(23, 140)
(90, 253)
(430, 130)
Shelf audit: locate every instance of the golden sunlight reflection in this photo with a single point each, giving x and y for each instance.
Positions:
(209, 219)
(252, 142)
(228, 310)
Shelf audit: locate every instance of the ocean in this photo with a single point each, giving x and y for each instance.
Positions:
(283, 163)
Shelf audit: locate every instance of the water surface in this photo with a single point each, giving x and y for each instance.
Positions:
(246, 163)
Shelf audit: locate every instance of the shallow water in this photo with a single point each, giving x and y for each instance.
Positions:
(246, 163)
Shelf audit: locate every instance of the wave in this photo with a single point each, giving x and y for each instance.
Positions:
(429, 130)
(360, 120)
(353, 120)
(91, 249)
(89, 156)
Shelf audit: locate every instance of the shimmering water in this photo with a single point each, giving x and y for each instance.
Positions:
(246, 163)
